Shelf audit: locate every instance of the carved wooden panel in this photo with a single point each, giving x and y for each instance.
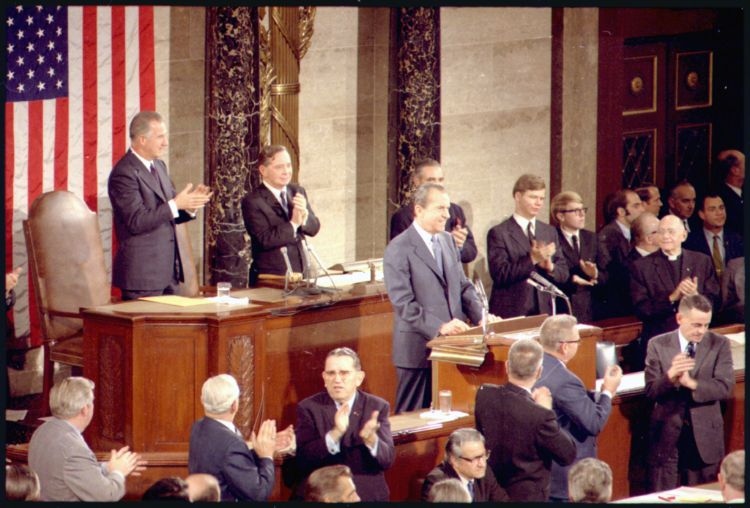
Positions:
(641, 85)
(693, 153)
(693, 79)
(638, 158)
(241, 361)
(109, 405)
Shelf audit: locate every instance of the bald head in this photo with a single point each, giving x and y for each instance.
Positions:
(732, 167)
(671, 235)
(644, 230)
(203, 487)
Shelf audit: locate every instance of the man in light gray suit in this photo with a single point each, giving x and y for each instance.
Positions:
(66, 466)
(429, 292)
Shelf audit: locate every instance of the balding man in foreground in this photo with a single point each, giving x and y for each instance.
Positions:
(732, 477)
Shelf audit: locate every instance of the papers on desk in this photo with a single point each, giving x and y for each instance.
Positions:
(15, 415)
(179, 301)
(679, 495)
(229, 300)
(630, 382)
(439, 416)
(738, 339)
(346, 279)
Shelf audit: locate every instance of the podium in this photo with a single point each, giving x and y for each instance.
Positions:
(455, 358)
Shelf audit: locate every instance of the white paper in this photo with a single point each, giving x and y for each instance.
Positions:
(15, 415)
(630, 382)
(229, 300)
(439, 416)
(678, 495)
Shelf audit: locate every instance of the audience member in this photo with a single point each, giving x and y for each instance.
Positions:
(21, 483)
(331, 484)
(624, 208)
(430, 171)
(713, 239)
(203, 488)
(244, 469)
(344, 425)
(171, 488)
(733, 291)
(449, 490)
(688, 372)
(429, 292)
(644, 231)
(582, 414)
(583, 255)
(651, 198)
(731, 169)
(466, 460)
(732, 477)
(519, 245)
(590, 481)
(681, 203)
(277, 214)
(660, 280)
(66, 466)
(521, 428)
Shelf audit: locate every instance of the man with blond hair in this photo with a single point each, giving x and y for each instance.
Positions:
(66, 466)
(590, 481)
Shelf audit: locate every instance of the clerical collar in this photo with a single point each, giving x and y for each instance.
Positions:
(672, 257)
(642, 252)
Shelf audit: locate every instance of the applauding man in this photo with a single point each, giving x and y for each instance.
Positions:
(344, 425)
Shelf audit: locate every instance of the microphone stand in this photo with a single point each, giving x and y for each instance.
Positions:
(314, 254)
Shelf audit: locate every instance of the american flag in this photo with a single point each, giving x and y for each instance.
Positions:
(75, 76)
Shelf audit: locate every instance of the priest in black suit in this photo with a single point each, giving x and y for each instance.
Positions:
(344, 425)
(277, 214)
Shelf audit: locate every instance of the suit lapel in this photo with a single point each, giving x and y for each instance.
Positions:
(568, 252)
(518, 234)
(423, 253)
(147, 178)
(702, 351)
(663, 270)
(272, 202)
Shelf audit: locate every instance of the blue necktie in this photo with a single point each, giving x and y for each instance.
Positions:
(284, 203)
(690, 349)
(437, 251)
(470, 488)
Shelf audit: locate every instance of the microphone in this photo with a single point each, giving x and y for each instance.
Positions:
(314, 254)
(547, 285)
(288, 264)
(536, 285)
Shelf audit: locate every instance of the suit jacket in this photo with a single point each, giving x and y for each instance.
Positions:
(485, 489)
(582, 414)
(733, 291)
(147, 253)
(733, 247)
(269, 230)
(67, 468)
(423, 299)
(651, 283)
(581, 297)
(524, 439)
(715, 375)
(735, 206)
(614, 296)
(315, 417)
(216, 450)
(404, 216)
(508, 256)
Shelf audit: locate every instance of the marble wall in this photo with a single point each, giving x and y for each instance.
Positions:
(496, 71)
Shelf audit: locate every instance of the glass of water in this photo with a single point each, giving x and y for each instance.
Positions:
(222, 289)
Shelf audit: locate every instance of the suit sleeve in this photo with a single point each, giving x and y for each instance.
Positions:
(469, 248)
(312, 226)
(658, 385)
(83, 475)
(386, 449)
(561, 272)
(470, 302)
(572, 399)
(504, 270)
(127, 204)
(270, 236)
(249, 477)
(555, 442)
(711, 288)
(719, 386)
(602, 261)
(311, 444)
(399, 224)
(648, 305)
(494, 491)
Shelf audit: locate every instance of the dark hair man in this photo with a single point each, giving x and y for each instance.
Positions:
(713, 239)
(331, 484)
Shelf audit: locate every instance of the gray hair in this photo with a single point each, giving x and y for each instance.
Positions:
(68, 397)
(460, 437)
(695, 301)
(556, 329)
(638, 227)
(590, 481)
(449, 491)
(140, 125)
(733, 470)
(524, 358)
(345, 351)
(422, 194)
(219, 393)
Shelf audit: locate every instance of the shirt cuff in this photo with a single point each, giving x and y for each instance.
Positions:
(173, 207)
(607, 393)
(333, 447)
(294, 227)
(374, 449)
(117, 473)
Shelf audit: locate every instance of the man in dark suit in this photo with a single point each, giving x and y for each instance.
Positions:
(217, 447)
(731, 169)
(614, 298)
(713, 239)
(277, 215)
(521, 428)
(688, 372)
(466, 460)
(430, 171)
(581, 413)
(583, 255)
(429, 292)
(650, 197)
(145, 209)
(344, 425)
(661, 279)
(520, 245)
(681, 203)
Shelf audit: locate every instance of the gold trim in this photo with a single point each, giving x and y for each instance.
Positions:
(710, 102)
(653, 148)
(653, 108)
(285, 88)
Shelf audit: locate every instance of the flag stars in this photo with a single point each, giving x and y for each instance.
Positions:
(20, 88)
(58, 84)
(19, 60)
(40, 59)
(20, 34)
(40, 33)
(38, 8)
(19, 8)
(51, 45)
(40, 86)
(30, 47)
(50, 72)
(58, 31)
(49, 19)
(11, 75)
(58, 57)
(9, 21)
(30, 74)
(29, 20)
(11, 47)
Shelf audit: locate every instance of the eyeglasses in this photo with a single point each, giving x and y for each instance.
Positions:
(477, 459)
(343, 374)
(577, 211)
(570, 341)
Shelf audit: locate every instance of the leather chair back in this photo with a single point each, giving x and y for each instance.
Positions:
(190, 286)
(66, 260)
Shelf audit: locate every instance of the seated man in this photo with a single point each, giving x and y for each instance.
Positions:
(172, 488)
(713, 239)
(732, 477)
(681, 203)
(217, 447)
(466, 460)
(203, 488)
(590, 481)
(449, 490)
(520, 427)
(344, 425)
(331, 484)
(66, 466)
(21, 483)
